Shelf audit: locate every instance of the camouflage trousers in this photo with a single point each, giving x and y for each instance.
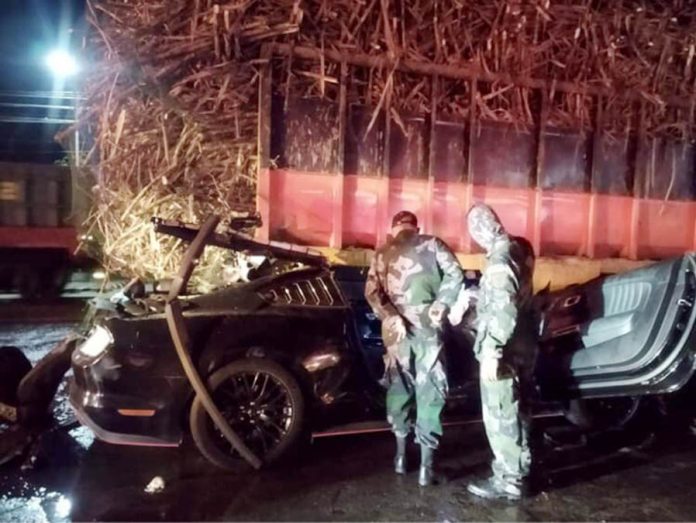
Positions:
(417, 387)
(507, 421)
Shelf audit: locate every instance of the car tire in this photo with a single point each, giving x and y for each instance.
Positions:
(14, 365)
(602, 413)
(235, 406)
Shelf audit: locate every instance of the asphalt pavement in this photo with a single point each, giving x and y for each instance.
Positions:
(645, 474)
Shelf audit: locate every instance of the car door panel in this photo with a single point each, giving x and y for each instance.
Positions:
(615, 331)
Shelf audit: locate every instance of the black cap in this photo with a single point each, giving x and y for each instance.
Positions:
(404, 218)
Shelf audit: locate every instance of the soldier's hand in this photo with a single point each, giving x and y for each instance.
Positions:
(489, 369)
(396, 326)
(390, 357)
(436, 313)
(464, 301)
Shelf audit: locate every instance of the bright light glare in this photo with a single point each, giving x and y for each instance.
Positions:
(61, 63)
(63, 507)
(97, 342)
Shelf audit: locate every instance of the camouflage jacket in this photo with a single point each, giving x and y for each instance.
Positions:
(504, 308)
(409, 274)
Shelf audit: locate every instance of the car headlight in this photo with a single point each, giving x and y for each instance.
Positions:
(97, 342)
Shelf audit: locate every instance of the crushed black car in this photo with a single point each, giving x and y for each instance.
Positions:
(300, 352)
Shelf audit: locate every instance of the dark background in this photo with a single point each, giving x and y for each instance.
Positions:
(29, 29)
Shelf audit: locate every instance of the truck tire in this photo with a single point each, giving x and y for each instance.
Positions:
(263, 403)
(14, 365)
(54, 280)
(28, 283)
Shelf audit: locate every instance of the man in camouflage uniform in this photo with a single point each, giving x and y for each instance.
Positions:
(506, 350)
(413, 281)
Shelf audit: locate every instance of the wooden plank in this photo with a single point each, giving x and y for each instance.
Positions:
(429, 206)
(338, 195)
(263, 146)
(592, 181)
(462, 72)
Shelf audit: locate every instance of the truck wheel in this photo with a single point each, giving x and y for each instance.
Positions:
(263, 404)
(14, 365)
(28, 283)
(54, 280)
(602, 413)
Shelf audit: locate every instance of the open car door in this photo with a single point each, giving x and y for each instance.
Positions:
(626, 334)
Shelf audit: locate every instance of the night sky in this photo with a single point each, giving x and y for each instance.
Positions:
(29, 29)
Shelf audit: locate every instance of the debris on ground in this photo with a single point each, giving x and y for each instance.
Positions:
(8, 413)
(155, 486)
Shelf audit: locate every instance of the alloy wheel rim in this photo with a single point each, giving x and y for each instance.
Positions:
(258, 407)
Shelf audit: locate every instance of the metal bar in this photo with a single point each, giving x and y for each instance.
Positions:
(367, 427)
(181, 340)
(592, 182)
(337, 217)
(692, 123)
(462, 72)
(38, 106)
(76, 160)
(383, 196)
(430, 192)
(465, 239)
(30, 119)
(540, 142)
(193, 252)
(53, 95)
(263, 192)
(638, 180)
(535, 181)
(596, 144)
(179, 333)
(237, 241)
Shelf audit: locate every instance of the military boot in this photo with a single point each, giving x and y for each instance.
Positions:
(426, 474)
(400, 457)
(495, 488)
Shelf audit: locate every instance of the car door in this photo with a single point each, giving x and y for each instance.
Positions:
(366, 325)
(620, 334)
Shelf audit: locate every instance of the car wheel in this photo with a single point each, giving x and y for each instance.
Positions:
(263, 404)
(14, 365)
(602, 413)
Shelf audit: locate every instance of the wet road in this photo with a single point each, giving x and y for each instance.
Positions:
(645, 475)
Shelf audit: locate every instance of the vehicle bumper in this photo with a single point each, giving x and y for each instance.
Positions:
(120, 411)
(120, 432)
